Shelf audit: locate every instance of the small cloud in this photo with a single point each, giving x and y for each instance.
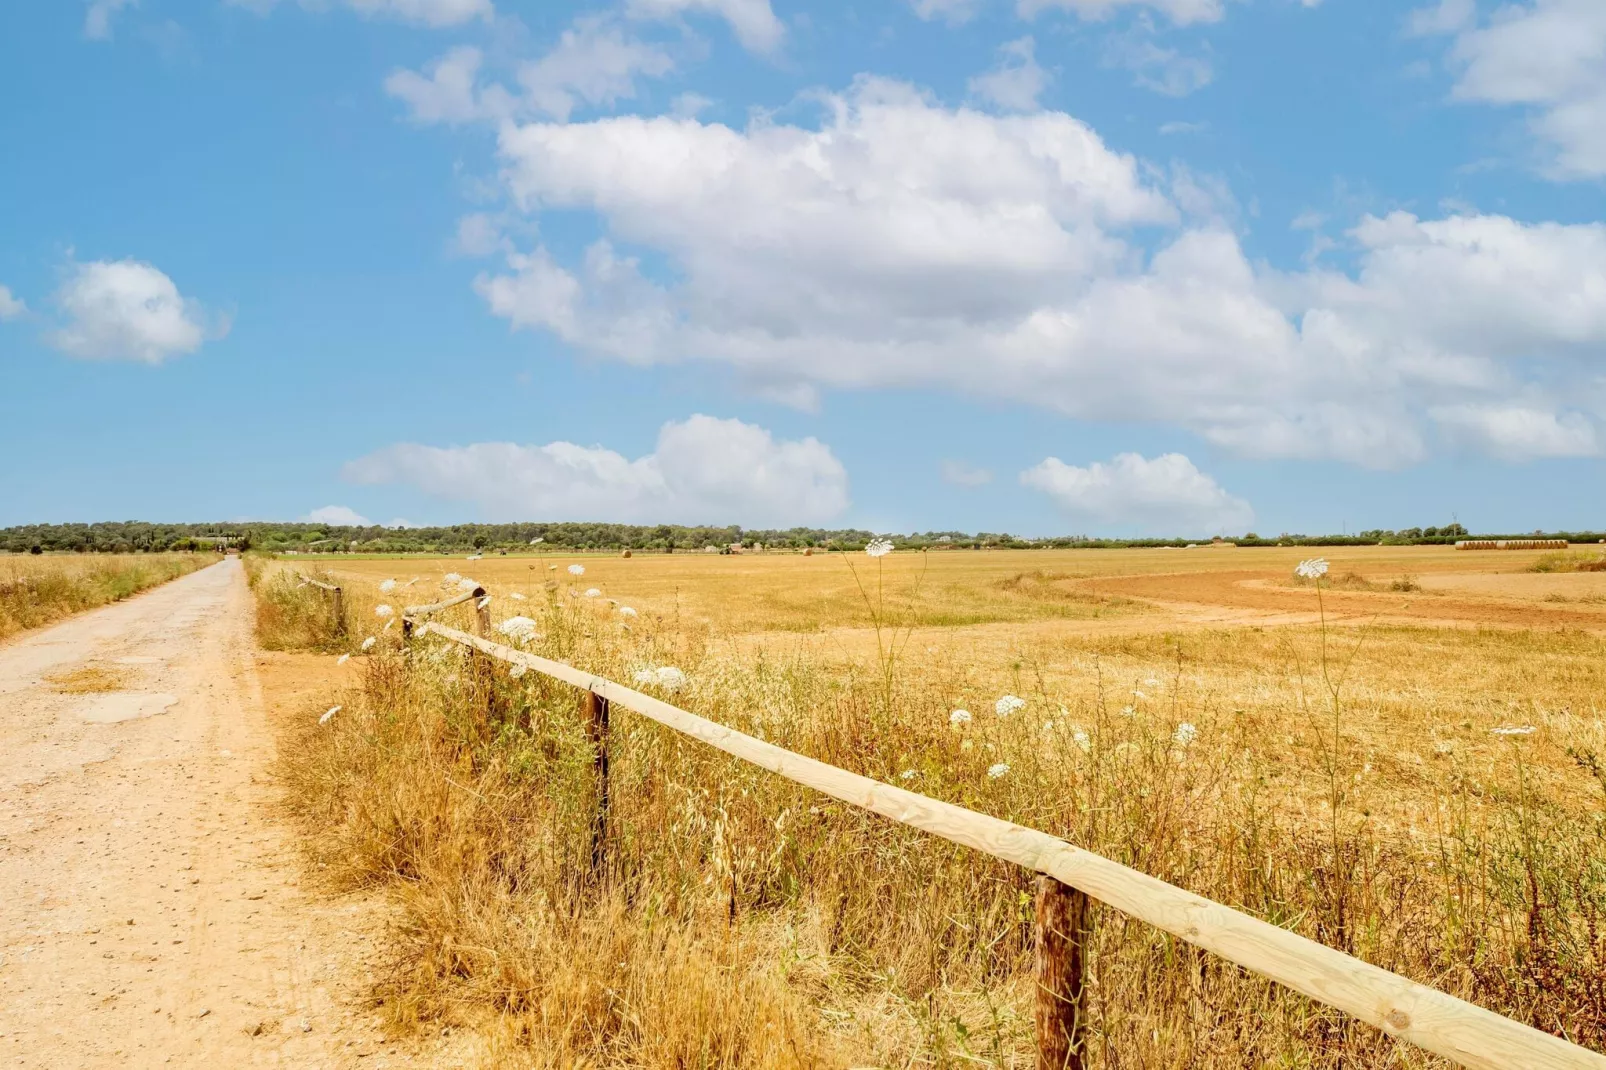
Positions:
(1017, 81)
(1164, 494)
(953, 12)
(752, 21)
(1173, 128)
(129, 310)
(1307, 221)
(398, 522)
(339, 516)
(98, 19)
(964, 474)
(689, 105)
(11, 306)
(1445, 17)
(1517, 433)
(1163, 70)
(478, 235)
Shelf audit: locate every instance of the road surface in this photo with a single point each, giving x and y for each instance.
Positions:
(151, 912)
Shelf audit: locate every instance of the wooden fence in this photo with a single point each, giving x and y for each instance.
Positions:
(336, 597)
(1462, 1032)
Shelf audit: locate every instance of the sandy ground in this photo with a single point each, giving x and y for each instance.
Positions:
(151, 911)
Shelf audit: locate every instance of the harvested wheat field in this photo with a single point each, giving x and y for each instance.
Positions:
(1405, 760)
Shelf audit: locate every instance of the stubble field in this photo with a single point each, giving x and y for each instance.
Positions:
(1409, 764)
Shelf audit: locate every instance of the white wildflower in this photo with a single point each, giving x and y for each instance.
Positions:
(328, 714)
(959, 717)
(592, 592)
(1129, 711)
(518, 670)
(452, 577)
(1514, 730)
(342, 659)
(996, 771)
(1314, 569)
(670, 678)
(644, 676)
(1140, 696)
(626, 611)
(552, 568)
(577, 570)
(1151, 682)
(879, 547)
(383, 611)
(1008, 705)
(473, 557)
(1080, 737)
(465, 584)
(537, 541)
(519, 628)
(1184, 734)
(966, 745)
(908, 774)
(388, 586)
(368, 643)
(516, 596)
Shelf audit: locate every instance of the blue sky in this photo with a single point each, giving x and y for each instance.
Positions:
(1117, 266)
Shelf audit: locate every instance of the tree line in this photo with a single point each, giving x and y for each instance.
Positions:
(142, 537)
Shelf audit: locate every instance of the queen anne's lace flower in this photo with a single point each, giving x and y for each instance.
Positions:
(996, 771)
(452, 577)
(368, 643)
(518, 671)
(521, 629)
(1313, 569)
(342, 659)
(1008, 705)
(592, 592)
(383, 611)
(1184, 735)
(879, 547)
(626, 611)
(577, 570)
(959, 717)
(388, 586)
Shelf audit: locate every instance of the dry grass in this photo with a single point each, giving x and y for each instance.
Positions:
(38, 590)
(1569, 561)
(743, 922)
(89, 680)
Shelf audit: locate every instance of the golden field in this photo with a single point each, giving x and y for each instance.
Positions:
(1408, 764)
(39, 589)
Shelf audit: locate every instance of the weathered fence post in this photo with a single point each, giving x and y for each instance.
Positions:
(482, 612)
(340, 610)
(1062, 937)
(597, 733)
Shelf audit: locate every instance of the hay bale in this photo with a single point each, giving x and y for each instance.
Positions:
(625, 554)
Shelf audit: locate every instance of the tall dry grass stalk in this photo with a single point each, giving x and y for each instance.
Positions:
(744, 922)
(37, 590)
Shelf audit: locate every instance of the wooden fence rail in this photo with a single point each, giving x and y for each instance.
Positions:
(336, 595)
(1460, 1031)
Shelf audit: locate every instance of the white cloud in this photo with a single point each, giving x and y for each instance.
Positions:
(964, 474)
(903, 244)
(1166, 494)
(752, 21)
(1179, 127)
(1163, 70)
(1515, 433)
(1181, 12)
(11, 306)
(594, 62)
(435, 13)
(954, 12)
(336, 516)
(400, 522)
(129, 310)
(98, 19)
(478, 235)
(1548, 56)
(704, 470)
(446, 92)
(1017, 81)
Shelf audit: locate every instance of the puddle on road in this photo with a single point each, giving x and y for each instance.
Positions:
(126, 706)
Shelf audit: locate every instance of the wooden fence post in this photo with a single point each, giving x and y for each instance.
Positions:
(1062, 938)
(340, 611)
(597, 733)
(482, 612)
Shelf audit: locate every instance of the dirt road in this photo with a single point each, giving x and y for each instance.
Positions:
(150, 908)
